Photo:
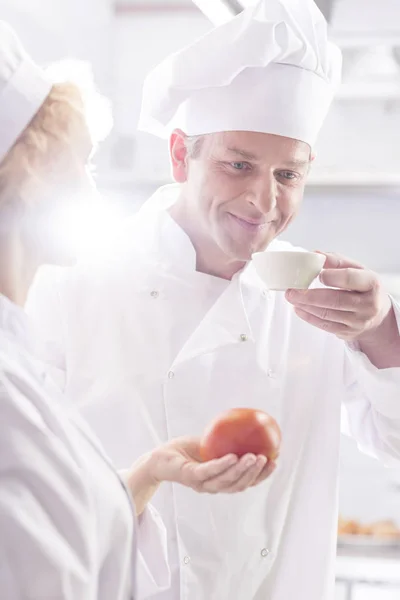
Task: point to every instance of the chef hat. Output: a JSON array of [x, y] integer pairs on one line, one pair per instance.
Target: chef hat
[[23, 88], [271, 69]]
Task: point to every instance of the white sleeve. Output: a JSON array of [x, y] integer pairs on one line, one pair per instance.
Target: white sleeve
[[45, 312], [152, 572], [372, 405], [47, 523], [152, 566]]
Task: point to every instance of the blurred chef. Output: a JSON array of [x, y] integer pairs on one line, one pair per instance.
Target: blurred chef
[[176, 326], [67, 523]]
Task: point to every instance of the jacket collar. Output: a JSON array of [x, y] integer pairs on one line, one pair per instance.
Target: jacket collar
[[159, 239], [225, 324], [227, 321]]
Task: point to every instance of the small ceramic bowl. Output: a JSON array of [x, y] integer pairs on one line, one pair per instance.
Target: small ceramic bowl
[[288, 270]]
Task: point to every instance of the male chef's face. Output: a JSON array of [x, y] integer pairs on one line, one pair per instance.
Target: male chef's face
[[240, 189]]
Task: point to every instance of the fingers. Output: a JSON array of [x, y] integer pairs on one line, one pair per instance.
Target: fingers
[[226, 475], [336, 261], [322, 298], [330, 299], [334, 327], [355, 306], [231, 475], [326, 314], [340, 312], [245, 474], [266, 472], [211, 469], [353, 279], [248, 478]]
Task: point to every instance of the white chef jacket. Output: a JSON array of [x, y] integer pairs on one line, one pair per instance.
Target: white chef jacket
[[66, 520], [150, 349]]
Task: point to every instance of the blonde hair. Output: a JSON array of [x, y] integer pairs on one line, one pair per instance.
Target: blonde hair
[[52, 138], [58, 140]]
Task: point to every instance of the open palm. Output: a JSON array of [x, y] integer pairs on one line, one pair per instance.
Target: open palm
[[180, 461]]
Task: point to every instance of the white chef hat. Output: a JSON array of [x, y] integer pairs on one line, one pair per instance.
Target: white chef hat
[[271, 69], [24, 87]]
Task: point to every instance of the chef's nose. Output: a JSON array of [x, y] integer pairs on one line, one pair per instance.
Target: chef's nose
[[263, 195]]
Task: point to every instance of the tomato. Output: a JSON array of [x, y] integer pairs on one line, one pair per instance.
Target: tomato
[[240, 431]]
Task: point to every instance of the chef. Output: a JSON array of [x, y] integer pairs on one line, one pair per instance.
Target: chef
[[67, 521], [174, 326]]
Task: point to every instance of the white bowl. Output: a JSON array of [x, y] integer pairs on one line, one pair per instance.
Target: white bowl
[[281, 271]]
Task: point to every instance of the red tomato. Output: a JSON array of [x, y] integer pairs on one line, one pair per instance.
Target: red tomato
[[240, 431]]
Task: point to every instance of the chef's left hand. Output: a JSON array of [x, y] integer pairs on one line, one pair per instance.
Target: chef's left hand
[[352, 311], [179, 461]]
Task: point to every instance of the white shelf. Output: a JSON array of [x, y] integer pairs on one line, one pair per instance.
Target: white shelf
[[361, 179], [369, 91], [357, 179], [348, 39], [369, 568]]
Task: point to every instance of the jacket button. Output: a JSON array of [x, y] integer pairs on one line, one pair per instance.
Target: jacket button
[[171, 375], [243, 337], [271, 374], [265, 552], [186, 560], [154, 294]]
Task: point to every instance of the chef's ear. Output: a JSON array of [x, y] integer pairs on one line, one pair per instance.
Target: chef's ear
[[178, 150], [311, 160]]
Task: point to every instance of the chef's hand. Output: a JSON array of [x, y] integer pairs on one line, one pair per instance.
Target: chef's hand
[[179, 461], [354, 310]]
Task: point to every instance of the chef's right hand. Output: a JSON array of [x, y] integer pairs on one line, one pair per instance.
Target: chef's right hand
[[180, 461]]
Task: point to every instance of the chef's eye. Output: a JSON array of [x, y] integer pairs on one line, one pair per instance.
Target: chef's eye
[[240, 166], [289, 175]]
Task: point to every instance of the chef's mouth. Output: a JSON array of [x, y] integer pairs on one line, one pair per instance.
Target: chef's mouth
[[249, 224]]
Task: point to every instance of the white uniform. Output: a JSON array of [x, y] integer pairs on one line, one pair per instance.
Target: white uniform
[[151, 349], [66, 520]]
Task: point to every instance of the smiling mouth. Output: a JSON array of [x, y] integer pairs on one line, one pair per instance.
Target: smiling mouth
[[248, 224]]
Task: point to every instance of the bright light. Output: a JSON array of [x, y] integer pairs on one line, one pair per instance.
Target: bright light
[[215, 10], [98, 112], [85, 229]]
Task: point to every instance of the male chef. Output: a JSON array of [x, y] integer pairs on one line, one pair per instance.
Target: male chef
[[176, 327]]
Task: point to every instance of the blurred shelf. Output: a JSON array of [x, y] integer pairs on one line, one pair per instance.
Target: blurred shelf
[[347, 180], [382, 567], [348, 39], [356, 179], [369, 91]]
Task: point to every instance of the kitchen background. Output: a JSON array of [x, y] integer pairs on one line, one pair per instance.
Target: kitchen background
[[352, 204]]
